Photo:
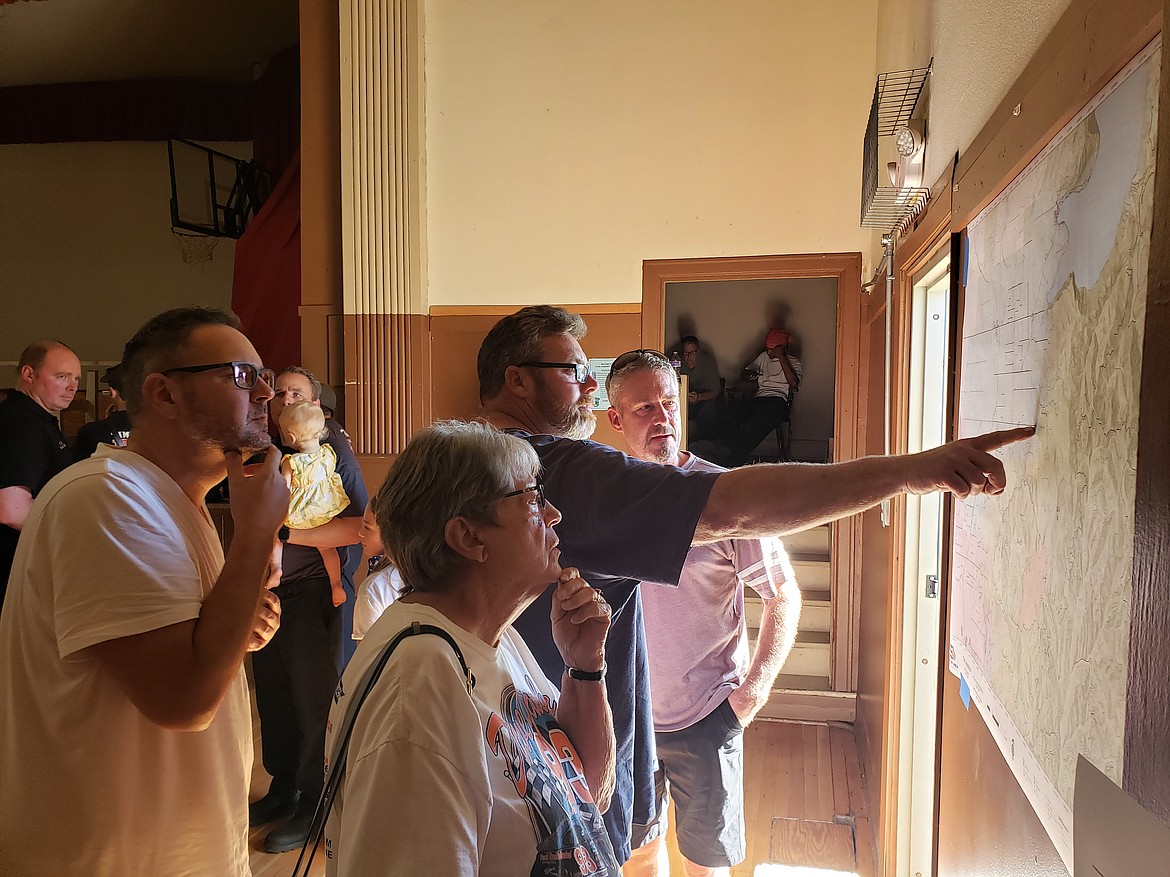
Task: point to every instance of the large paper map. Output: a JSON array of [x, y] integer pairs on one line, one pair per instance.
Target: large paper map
[[1052, 335]]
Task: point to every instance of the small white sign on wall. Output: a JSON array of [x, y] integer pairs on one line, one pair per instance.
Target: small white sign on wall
[[601, 369]]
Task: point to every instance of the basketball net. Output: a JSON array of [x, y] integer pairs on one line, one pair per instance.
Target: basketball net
[[194, 248]]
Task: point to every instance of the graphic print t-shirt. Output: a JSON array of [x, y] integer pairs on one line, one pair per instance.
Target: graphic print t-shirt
[[440, 781]]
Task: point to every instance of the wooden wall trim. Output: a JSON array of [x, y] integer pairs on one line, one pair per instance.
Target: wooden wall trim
[[631, 307], [1090, 45], [1146, 768], [383, 222], [846, 268]]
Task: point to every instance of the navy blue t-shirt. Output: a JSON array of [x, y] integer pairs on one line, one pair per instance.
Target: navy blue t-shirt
[[623, 521]]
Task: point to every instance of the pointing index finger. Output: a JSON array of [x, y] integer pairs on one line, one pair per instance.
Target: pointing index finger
[[990, 441]]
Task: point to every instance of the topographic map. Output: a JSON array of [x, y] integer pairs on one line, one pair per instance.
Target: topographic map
[[1052, 335]]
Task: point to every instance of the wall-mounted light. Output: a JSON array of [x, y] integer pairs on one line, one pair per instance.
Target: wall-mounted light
[[908, 140], [906, 172]]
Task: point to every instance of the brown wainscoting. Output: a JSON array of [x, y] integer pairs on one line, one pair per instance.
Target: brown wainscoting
[[987, 826], [456, 334]]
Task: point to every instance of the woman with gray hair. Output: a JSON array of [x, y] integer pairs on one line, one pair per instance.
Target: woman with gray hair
[[464, 759]]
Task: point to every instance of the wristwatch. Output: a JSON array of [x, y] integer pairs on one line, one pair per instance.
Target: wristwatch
[[586, 675]]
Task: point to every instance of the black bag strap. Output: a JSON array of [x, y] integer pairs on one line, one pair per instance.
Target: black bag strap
[[335, 774]]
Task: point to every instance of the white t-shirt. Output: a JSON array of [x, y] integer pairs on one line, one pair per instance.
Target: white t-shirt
[[439, 781], [112, 547], [772, 380], [376, 592]]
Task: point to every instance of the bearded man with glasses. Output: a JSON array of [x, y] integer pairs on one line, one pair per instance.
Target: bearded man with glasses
[[127, 744], [627, 521]]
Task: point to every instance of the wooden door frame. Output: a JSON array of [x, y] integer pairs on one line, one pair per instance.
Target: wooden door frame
[[846, 269], [922, 248]]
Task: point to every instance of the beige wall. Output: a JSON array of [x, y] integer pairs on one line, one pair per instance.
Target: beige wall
[[565, 143], [979, 50], [730, 319], [86, 250]]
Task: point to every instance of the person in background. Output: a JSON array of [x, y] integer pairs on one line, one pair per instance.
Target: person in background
[[32, 448], [704, 391], [627, 521], [297, 674], [114, 428], [778, 374], [495, 771], [382, 586], [127, 741], [316, 494], [329, 406], [704, 688]]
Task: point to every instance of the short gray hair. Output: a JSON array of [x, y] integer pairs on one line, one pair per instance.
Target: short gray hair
[[451, 469], [516, 339], [638, 361]]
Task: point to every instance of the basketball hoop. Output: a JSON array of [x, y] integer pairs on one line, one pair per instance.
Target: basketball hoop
[[195, 248]]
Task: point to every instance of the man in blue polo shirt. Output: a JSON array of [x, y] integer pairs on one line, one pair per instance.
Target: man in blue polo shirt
[[32, 448], [625, 520]]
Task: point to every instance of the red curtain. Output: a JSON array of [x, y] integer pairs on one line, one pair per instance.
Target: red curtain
[[266, 286]]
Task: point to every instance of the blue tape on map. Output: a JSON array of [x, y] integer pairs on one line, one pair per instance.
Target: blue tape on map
[[965, 691]]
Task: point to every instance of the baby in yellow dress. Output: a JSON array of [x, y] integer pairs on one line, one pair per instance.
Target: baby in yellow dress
[[316, 494]]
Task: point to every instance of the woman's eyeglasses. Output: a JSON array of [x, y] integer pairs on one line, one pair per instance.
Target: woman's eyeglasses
[[538, 487], [245, 374]]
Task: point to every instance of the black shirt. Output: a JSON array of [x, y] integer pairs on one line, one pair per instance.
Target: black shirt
[[113, 430], [32, 450]]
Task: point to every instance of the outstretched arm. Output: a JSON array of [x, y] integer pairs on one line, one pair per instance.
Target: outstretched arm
[[759, 501]]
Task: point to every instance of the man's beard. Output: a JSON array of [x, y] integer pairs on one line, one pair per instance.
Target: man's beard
[[571, 421], [665, 452], [248, 438]]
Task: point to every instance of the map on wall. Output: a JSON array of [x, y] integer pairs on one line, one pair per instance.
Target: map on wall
[[1052, 335]]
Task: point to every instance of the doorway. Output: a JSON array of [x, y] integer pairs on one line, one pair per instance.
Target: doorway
[[843, 271], [930, 331]]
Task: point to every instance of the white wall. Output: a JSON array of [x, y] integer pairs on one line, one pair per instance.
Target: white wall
[[567, 142], [730, 318], [86, 250]]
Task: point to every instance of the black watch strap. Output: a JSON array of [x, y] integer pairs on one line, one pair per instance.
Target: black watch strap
[[586, 675]]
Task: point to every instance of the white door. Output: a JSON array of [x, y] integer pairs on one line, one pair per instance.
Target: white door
[[930, 329]]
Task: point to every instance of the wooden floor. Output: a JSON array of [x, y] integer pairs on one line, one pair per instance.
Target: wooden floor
[[804, 799]]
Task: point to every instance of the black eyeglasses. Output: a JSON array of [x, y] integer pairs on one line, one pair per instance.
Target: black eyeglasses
[[631, 356], [538, 487], [581, 372], [245, 374]]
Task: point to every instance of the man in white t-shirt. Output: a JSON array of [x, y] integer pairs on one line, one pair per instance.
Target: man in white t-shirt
[[126, 741], [703, 686], [778, 374]]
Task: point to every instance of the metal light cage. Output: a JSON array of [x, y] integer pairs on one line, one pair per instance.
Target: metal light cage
[[895, 98]]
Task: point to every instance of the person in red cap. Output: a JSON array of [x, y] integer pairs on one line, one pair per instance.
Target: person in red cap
[[778, 375]]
